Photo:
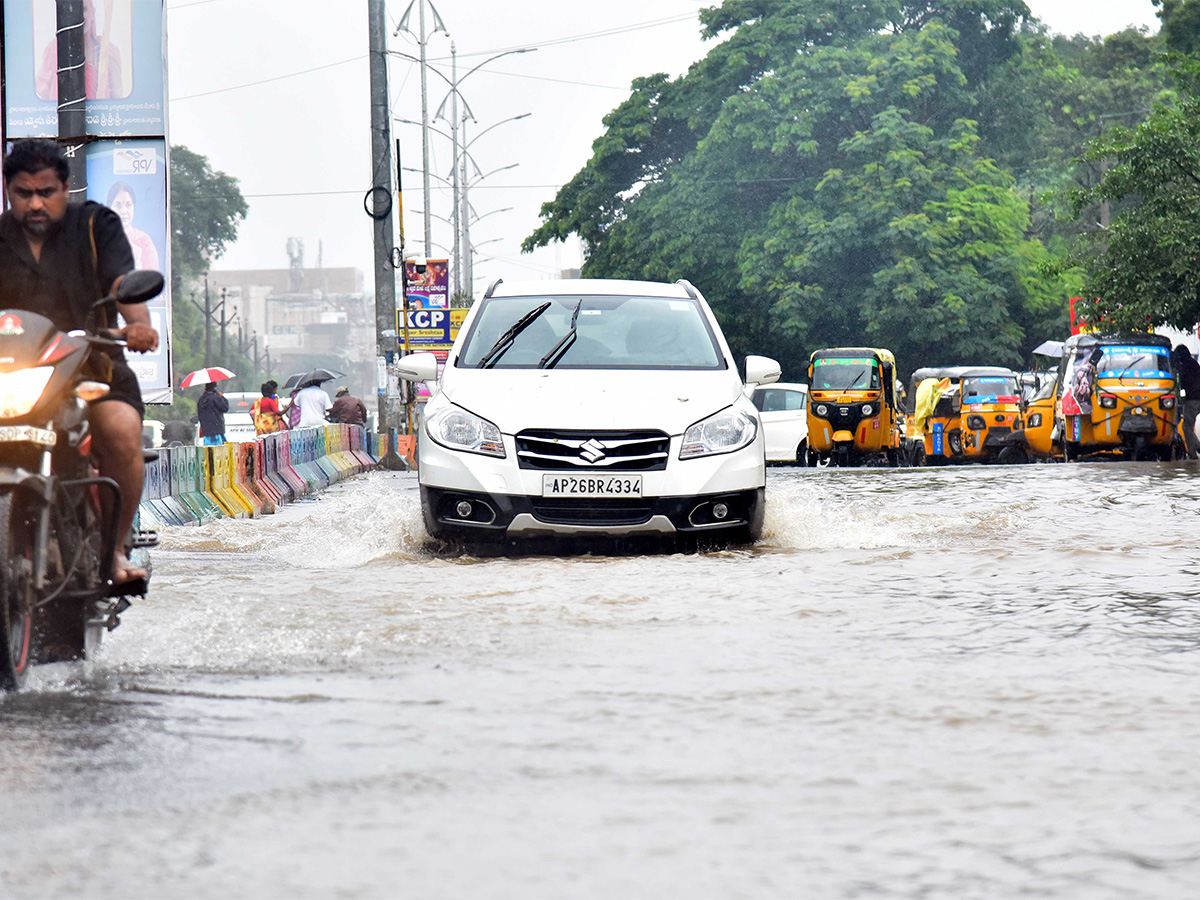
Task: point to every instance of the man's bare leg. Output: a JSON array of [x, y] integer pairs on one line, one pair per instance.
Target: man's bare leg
[[117, 447]]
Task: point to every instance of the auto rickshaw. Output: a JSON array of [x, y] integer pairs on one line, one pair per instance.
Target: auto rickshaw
[[963, 414], [1040, 438], [1117, 393], [852, 414]]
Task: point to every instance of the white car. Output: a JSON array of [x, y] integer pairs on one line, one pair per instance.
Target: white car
[[783, 408], [590, 407], [239, 423]]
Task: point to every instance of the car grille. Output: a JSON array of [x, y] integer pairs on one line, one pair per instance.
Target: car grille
[[591, 511], [603, 451]]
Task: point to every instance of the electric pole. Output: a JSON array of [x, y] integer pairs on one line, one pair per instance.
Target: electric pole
[[72, 99], [381, 216]]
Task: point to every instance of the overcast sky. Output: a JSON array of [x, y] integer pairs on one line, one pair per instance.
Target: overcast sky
[[276, 93]]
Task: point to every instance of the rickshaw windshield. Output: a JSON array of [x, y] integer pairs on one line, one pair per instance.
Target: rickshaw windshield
[[989, 389], [845, 374], [1132, 361]]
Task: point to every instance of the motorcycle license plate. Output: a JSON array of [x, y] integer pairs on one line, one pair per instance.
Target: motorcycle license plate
[[28, 433], [591, 485]]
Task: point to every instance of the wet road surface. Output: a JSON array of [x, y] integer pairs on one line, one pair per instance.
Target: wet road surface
[[969, 682]]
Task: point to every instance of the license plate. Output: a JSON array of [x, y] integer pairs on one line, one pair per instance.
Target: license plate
[[591, 485], [43, 436]]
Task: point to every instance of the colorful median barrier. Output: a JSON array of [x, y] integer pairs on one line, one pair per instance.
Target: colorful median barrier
[[191, 485]]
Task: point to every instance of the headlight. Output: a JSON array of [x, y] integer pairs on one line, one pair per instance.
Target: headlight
[[725, 432], [458, 429], [867, 409], [20, 390], [976, 423], [1035, 420], [1167, 402], [1108, 401], [822, 410]]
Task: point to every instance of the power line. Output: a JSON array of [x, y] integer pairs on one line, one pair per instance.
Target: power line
[[608, 32], [238, 87]]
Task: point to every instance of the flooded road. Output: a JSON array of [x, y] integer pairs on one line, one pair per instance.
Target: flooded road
[[958, 683]]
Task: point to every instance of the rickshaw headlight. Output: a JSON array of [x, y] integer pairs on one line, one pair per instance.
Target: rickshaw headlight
[[1167, 402], [867, 409], [1035, 420], [1108, 401], [822, 410], [976, 423]]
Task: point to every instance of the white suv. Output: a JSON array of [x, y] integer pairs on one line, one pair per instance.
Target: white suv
[[591, 407]]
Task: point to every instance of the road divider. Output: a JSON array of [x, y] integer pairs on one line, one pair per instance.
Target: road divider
[[189, 485]]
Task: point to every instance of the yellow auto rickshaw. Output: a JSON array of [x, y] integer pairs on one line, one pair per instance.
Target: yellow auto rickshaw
[[852, 413], [963, 414], [1117, 394], [1042, 438]]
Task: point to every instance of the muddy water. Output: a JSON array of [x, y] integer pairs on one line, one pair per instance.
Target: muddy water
[[926, 683]]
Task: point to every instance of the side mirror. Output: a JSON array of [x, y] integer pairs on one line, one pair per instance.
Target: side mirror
[[139, 286], [762, 370], [417, 367]]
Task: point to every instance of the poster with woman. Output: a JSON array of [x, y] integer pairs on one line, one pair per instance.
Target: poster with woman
[[123, 44], [130, 177]]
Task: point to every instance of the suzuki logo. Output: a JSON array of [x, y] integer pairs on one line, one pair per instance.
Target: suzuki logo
[[592, 451]]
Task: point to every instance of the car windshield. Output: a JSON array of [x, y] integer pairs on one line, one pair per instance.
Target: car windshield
[[845, 374], [610, 333], [986, 390], [1134, 361]]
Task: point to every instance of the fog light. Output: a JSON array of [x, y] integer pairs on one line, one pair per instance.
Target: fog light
[[720, 510], [463, 509]]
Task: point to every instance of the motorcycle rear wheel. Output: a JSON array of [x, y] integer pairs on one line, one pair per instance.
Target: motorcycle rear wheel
[[16, 594]]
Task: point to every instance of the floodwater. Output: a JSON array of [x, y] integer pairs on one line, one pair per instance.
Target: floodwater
[[938, 683]]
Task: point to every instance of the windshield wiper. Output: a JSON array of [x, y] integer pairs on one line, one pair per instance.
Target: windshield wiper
[[559, 350], [506, 340]]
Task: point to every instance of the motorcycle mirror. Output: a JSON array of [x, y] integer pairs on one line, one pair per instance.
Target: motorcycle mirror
[[139, 286]]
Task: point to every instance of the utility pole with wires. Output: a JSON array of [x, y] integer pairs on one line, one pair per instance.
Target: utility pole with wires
[[378, 205], [72, 102], [422, 42]]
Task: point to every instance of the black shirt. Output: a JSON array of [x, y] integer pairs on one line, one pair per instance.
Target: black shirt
[[1189, 375], [63, 285], [210, 410]]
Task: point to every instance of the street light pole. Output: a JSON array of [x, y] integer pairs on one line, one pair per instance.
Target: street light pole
[[422, 42], [454, 141]]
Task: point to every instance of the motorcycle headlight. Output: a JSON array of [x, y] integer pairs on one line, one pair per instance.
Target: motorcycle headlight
[[20, 390], [1035, 420], [728, 430], [458, 429]]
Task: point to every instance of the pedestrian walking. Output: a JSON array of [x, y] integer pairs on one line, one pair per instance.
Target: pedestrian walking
[[348, 409], [211, 409], [265, 412], [313, 403], [1188, 371]]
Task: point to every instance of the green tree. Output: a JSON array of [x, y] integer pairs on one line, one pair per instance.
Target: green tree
[[1145, 267], [839, 193]]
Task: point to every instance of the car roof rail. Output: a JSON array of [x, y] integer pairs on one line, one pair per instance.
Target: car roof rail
[[491, 287], [687, 286]]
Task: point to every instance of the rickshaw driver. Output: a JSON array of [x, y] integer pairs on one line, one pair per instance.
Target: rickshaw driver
[[46, 266]]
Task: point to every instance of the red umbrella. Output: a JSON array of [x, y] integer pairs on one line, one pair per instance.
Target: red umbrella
[[206, 376]]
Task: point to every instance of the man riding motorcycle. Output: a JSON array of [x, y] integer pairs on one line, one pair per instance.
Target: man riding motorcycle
[[56, 259]]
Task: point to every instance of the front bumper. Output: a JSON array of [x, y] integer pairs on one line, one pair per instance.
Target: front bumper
[[473, 514]]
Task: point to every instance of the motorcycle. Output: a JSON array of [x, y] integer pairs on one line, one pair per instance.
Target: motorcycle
[[58, 516]]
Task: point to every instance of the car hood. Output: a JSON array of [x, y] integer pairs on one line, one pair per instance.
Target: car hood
[[571, 399]]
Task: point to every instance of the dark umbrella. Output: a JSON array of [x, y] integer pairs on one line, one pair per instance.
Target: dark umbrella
[[292, 382], [319, 375]]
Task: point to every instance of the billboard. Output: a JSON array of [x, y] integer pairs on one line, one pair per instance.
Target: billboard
[[130, 177], [429, 289], [430, 329], [123, 68]]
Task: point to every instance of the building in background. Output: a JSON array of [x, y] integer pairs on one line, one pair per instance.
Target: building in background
[[305, 317]]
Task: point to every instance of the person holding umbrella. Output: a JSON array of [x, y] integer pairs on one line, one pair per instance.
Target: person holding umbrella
[[313, 403], [211, 409]]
